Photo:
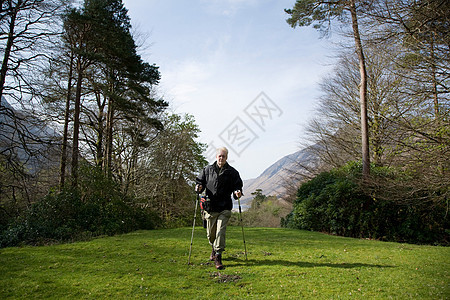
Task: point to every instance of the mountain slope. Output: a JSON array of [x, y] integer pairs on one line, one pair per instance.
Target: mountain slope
[[272, 179], [27, 140]]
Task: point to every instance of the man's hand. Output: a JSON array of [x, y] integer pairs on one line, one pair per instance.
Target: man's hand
[[198, 188], [238, 194]]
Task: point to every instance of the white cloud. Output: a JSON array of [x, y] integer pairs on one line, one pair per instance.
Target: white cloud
[[227, 8]]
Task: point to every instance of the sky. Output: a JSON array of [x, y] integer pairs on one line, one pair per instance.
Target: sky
[[247, 77]]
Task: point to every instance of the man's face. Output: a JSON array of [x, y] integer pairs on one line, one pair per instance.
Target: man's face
[[221, 158]]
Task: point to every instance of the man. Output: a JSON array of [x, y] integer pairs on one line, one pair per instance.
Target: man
[[220, 181]]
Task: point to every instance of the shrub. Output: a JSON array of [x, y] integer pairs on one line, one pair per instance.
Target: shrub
[[335, 202], [98, 208], [64, 217]]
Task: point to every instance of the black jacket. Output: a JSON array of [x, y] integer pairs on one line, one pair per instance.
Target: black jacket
[[220, 184]]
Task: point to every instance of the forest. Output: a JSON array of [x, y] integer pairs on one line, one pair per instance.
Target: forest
[[88, 147], [382, 127]]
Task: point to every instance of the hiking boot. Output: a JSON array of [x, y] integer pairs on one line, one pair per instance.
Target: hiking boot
[[218, 261], [213, 255]]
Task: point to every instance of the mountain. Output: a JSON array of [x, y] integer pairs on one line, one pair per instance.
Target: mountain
[[27, 140], [272, 180]]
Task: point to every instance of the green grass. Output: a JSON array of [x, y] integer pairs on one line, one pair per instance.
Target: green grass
[[282, 263]]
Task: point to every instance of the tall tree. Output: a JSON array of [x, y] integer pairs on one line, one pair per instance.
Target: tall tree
[[173, 161], [81, 37], [116, 84], [335, 128], [63, 161], [56, 86], [421, 28], [26, 30], [127, 80], [318, 12], [115, 28]]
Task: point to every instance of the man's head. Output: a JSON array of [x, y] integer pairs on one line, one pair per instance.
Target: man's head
[[221, 156]]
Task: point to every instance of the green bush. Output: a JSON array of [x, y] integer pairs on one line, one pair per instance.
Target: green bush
[[335, 202], [64, 217], [97, 208]]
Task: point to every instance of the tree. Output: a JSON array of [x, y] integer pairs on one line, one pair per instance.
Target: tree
[[80, 37], [335, 128], [421, 29], [258, 198], [99, 36], [27, 153], [95, 69], [26, 30], [56, 86], [170, 166], [307, 12], [265, 211], [407, 103], [335, 202]]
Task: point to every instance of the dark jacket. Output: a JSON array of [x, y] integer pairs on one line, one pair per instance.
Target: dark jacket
[[220, 184]]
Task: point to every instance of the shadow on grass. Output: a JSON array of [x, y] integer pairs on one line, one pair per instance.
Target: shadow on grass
[[300, 264]]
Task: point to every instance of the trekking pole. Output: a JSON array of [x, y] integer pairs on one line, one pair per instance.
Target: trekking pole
[[242, 226], [193, 227]]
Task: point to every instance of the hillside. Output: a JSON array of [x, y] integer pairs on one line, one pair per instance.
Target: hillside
[[27, 139], [272, 179]]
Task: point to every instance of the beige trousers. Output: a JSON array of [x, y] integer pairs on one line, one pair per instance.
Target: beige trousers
[[216, 225]]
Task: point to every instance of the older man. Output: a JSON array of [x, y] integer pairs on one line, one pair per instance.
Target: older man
[[220, 181]]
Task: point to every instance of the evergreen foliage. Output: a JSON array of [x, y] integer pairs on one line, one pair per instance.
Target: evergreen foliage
[[97, 208], [336, 202]]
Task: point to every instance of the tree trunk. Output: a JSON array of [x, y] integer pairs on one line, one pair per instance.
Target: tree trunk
[[100, 130], [7, 50], [76, 126], [362, 93], [434, 79], [66, 127], [109, 137]]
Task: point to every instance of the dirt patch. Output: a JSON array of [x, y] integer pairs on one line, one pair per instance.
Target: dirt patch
[[222, 278]]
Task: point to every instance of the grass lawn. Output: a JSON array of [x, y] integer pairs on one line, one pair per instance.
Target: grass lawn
[[282, 263]]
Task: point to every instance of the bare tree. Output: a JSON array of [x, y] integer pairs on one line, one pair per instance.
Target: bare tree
[[26, 30], [420, 30], [405, 136], [321, 12]]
